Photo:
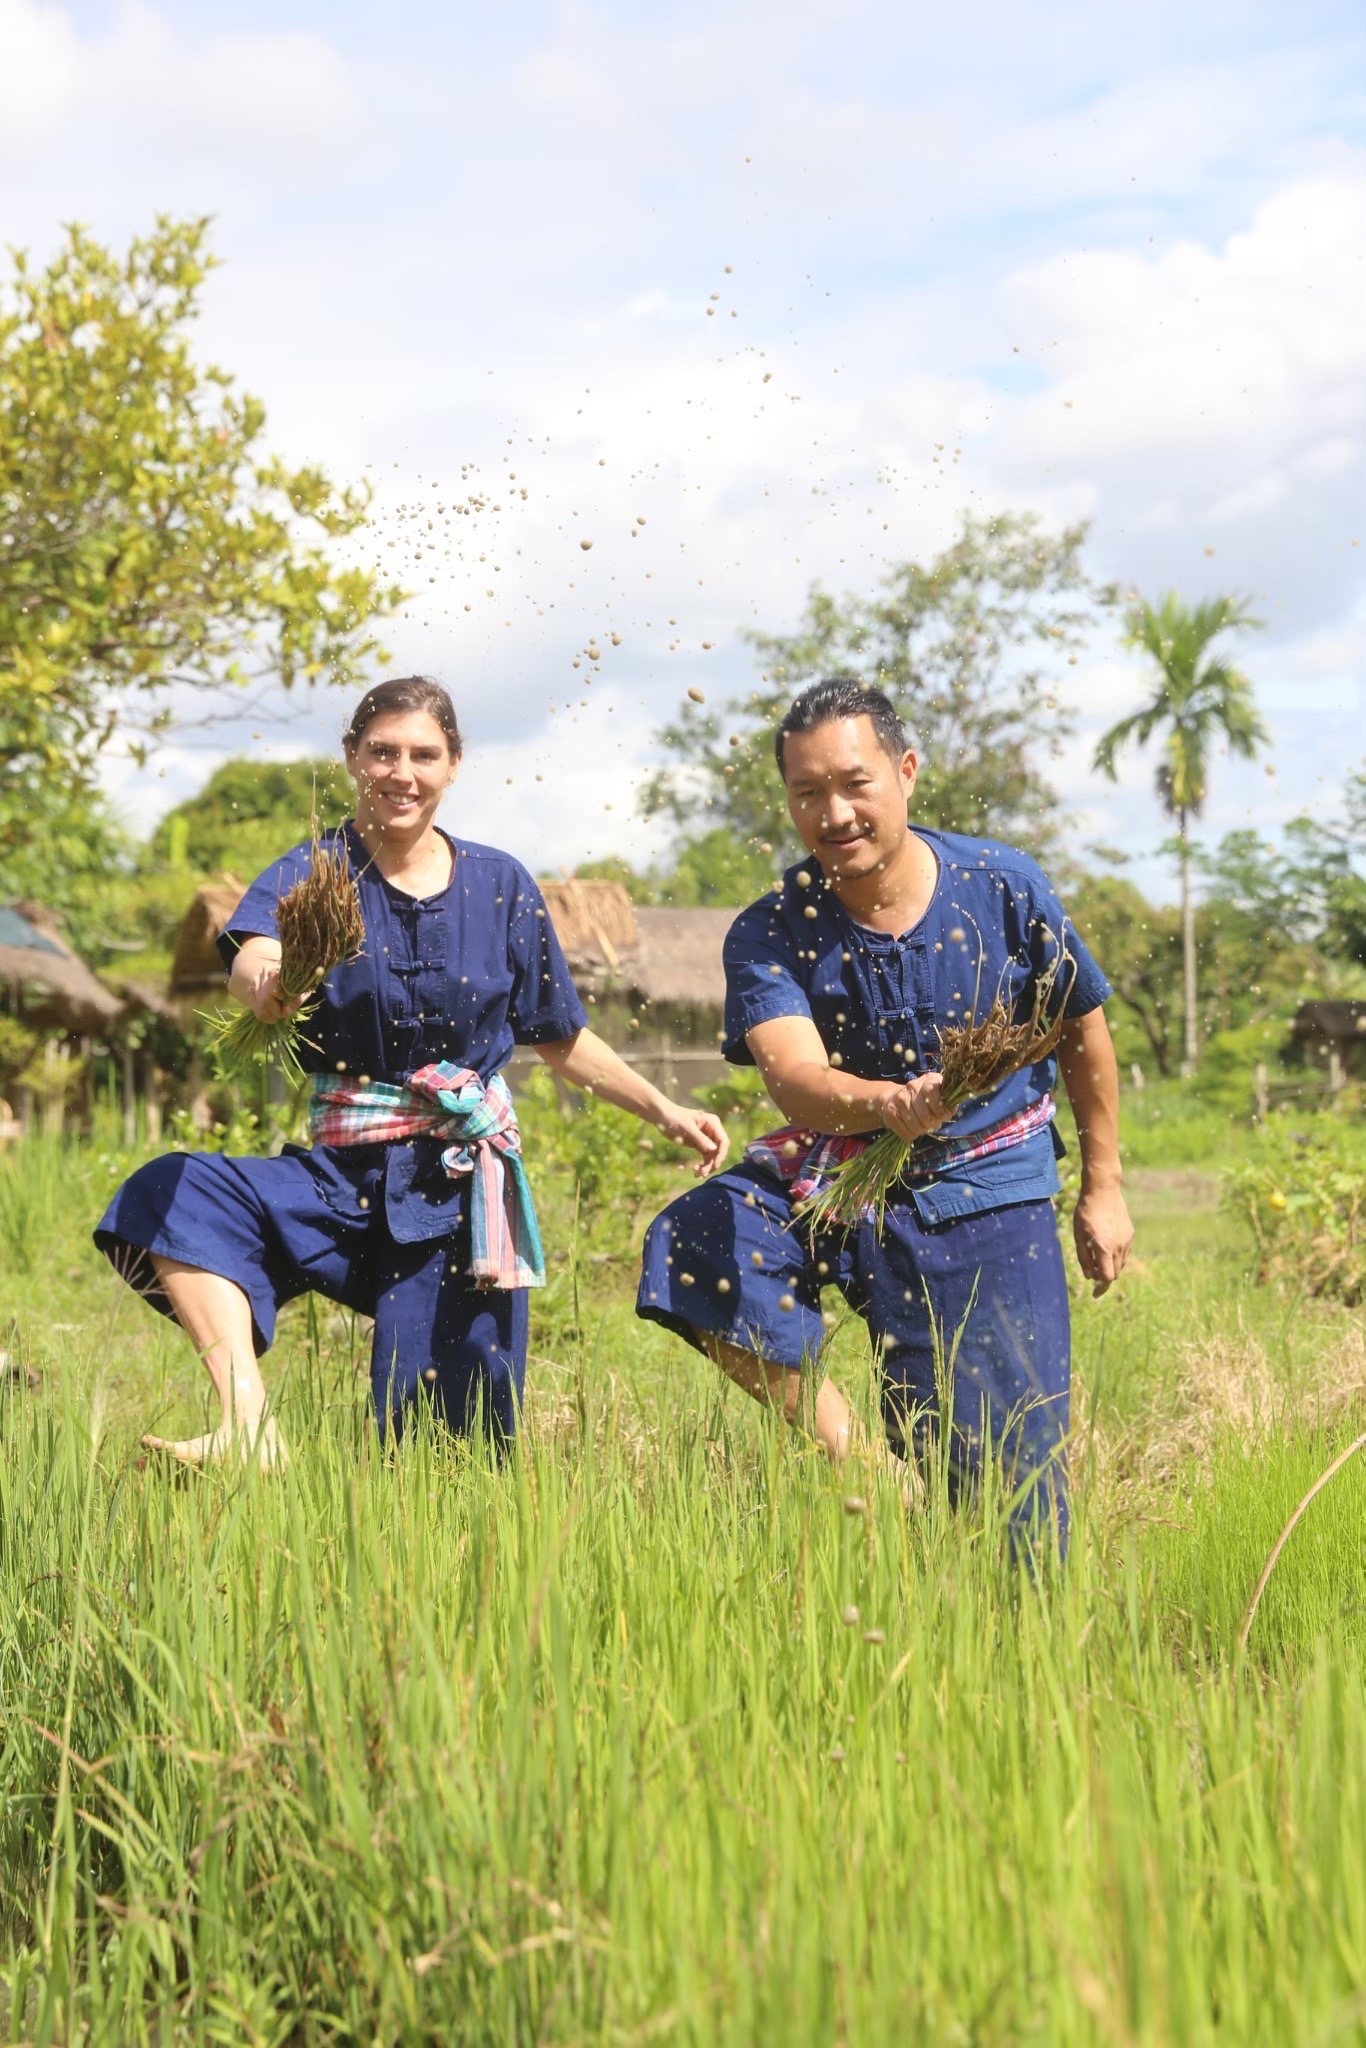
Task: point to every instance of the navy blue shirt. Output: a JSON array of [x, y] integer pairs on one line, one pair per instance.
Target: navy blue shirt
[[464, 975], [879, 1000]]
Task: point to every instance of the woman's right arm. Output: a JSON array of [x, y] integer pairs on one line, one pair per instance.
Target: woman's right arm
[[253, 980]]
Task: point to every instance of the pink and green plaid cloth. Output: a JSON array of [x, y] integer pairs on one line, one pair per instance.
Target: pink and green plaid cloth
[[446, 1101], [805, 1160]]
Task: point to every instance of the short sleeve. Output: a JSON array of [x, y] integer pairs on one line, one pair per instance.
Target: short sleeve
[[761, 978], [1050, 930], [254, 917], [544, 1004]]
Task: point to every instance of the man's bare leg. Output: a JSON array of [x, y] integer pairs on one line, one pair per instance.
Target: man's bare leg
[[831, 1420], [215, 1315]]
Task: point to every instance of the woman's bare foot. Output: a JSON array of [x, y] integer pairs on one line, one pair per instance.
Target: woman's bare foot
[[224, 1444]]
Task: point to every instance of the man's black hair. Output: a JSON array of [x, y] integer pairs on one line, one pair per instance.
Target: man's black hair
[[843, 697]]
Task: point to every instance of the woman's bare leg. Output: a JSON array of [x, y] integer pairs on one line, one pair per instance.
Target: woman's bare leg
[[215, 1315]]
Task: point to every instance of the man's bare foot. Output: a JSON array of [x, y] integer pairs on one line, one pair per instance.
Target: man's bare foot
[[223, 1445]]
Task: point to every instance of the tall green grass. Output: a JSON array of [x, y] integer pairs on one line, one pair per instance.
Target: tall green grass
[[594, 1747]]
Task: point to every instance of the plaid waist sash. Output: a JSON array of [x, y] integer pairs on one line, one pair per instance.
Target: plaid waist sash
[[446, 1101], [805, 1160]]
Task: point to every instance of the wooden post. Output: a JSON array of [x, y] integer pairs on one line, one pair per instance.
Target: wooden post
[[55, 1059], [130, 1107], [1337, 1077], [151, 1100], [1262, 1086]]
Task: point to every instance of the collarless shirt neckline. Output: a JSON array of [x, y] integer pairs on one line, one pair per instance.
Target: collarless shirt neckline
[[914, 933], [405, 895]]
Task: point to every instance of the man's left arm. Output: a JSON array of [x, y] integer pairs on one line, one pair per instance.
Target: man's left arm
[[1101, 1224]]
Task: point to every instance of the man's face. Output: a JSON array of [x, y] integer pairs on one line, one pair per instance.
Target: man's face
[[847, 796]]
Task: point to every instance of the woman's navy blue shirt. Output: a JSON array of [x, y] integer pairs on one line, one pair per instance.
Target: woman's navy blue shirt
[[464, 975], [880, 1000]]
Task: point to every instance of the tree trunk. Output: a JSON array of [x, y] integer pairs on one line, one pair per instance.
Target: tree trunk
[[1192, 1048]]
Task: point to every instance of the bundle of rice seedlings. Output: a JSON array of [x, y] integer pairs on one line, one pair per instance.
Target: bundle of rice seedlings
[[974, 1058], [320, 926]]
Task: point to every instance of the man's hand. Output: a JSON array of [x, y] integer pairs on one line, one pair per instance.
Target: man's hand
[[699, 1129], [1103, 1234], [914, 1108]]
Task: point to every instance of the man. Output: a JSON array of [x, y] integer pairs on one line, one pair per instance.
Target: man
[[838, 984]]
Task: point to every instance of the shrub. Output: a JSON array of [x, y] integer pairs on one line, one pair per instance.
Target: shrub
[[1303, 1199]]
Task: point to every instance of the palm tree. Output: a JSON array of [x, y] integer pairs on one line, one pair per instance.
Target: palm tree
[[1197, 698]]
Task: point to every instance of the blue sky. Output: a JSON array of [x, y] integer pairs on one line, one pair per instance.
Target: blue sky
[[1111, 259]]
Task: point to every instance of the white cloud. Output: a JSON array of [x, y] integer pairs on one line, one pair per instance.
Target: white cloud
[[278, 94]]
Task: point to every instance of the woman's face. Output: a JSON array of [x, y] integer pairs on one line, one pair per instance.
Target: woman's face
[[402, 766]]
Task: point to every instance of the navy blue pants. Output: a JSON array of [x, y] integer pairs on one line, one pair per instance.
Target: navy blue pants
[[981, 1301], [282, 1227]]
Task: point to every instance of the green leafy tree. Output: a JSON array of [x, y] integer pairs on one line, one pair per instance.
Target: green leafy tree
[[1198, 699], [147, 541], [715, 868], [1328, 858], [1139, 947], [970, 647], [250, 811], [614, 867]]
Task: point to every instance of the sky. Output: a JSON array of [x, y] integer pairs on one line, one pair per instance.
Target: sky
[[755, 297]]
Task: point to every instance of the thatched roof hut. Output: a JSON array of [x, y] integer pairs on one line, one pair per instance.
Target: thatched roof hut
[[52, 988], [669, 959], [195, 965], [594, 921], [677, 964]]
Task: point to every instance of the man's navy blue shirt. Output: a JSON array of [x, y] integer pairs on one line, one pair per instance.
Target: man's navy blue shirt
[[879, 1000], [464, 975]]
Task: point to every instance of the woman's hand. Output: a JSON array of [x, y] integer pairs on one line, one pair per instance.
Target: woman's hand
[[699, 1129], [271, 1007], [915, 1108], [255, 981]]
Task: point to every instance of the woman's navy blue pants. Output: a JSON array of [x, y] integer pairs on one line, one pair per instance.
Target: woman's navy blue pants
[[282, 1227], [970, 1316]]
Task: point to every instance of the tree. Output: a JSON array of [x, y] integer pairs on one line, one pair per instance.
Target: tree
[[614, 867], [250, 811], [1197, 698], [968, 648], [146, 539], [1139, 948], [1328, 858]]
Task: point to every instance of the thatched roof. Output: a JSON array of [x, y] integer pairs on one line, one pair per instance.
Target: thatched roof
[[678, 961], [195, 964], [594, 921], [667, 957], [58, 989]]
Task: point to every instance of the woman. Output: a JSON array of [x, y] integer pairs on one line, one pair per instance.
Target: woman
[[415, 1210]]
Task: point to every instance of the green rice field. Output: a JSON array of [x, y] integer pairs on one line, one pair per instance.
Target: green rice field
[[663, 1731]]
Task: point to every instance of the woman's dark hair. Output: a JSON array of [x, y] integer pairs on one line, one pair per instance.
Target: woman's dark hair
[[843, 697], [406, 693]]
